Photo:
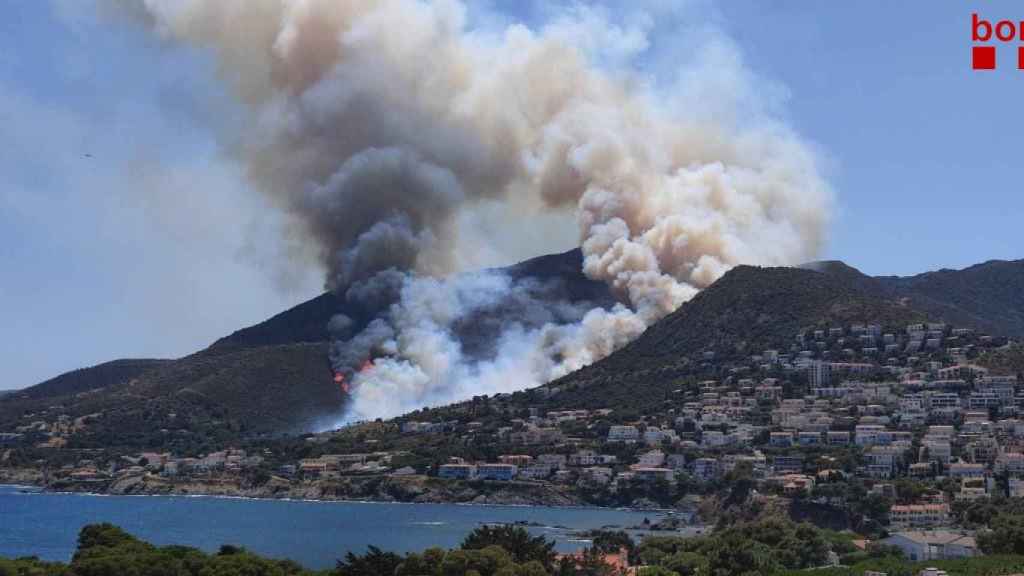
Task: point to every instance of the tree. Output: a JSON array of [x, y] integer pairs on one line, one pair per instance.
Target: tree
[[374, 563], [30, 567], [105, 535], [810, 546], [611, 541], [655, 571], [734, 555], [533, 568], [589, 563], [1005, 537], [740, 482], [686, 563], [515, 540], [429, 562], [909, 491]]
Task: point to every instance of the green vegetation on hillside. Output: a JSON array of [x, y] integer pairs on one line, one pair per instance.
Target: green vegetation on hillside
[[747, 311], [88, 379], [106, 550], [1008, 360], [894, 566], [203, 400], [274, 377], [987, 296], [770, 547]]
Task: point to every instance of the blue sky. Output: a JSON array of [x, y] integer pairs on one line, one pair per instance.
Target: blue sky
[[922, 151]]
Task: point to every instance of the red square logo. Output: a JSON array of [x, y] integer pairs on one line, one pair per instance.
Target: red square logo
[[983, 57]]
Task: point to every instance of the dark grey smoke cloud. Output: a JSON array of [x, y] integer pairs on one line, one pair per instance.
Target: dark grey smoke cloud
[[379, 124], [382, 209], [348, 356]]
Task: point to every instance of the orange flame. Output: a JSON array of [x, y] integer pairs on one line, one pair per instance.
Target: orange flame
[[339, 379], [343, 383]]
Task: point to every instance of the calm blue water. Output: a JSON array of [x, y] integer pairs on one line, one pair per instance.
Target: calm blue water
[[312, 533]]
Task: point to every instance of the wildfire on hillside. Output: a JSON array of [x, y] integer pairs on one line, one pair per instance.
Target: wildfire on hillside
[[339, 379], [343, 382]]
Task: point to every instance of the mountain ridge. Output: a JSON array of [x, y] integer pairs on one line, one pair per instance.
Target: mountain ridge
[[231, 388], [307, 321], [748, 310], [988, 296]]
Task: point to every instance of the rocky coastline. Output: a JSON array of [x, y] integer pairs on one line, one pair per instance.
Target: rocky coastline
[[410, 489]]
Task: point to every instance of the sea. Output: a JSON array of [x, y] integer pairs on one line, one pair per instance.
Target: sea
[[315, 534]]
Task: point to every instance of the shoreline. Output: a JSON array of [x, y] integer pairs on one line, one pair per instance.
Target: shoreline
[[39, 489], [200, 521]]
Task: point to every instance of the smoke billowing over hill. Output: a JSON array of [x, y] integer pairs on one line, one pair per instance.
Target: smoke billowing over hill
[[382, 127]]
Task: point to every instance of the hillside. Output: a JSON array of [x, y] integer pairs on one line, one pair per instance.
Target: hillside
[[747, 311], [554, 276], [1007, 360], [306, 322], [266, 379], [197, 401], [753, 309], [987, 296], [274, 376], [92, 378]]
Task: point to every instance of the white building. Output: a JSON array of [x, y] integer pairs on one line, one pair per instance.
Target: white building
[[652, 474], [627, 434], [654, 436], [590, 458], [705, 468], [496, 471], [933, 545], [555, 461], [1010, 462], [457, 471], [596, 475], [819, 374], [1016, 488], [652, 459], [871, 435], [919, 515], [966, 470]]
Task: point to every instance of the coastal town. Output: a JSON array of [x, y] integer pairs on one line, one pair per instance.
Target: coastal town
[[897, 430], [492, 288]]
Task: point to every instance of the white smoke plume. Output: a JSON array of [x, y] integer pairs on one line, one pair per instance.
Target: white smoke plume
[[377, 124]]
